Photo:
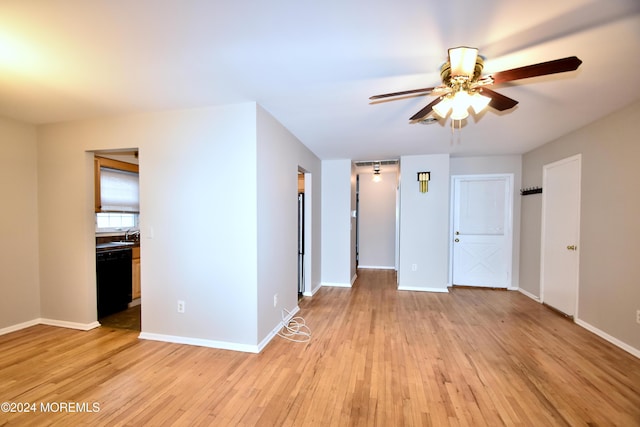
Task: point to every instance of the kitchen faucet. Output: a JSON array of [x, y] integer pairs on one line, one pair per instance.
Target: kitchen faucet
[[135, 234]]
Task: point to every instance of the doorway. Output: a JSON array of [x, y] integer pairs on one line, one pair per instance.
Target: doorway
[[117, 238], [376, 214], [481, 235], [560, 234]]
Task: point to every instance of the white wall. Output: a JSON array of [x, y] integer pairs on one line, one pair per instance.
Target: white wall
[[511, 164], [336, 222], [215, 234], [19, 283], [377, 220], [198, 219], [280, 155], [424, 224]]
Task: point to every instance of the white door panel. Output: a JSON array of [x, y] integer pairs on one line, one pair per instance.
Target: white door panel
[[482, 237], [481, 261], [560, 234]]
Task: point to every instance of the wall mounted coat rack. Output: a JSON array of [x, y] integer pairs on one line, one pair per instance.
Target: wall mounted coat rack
[[530, 190]]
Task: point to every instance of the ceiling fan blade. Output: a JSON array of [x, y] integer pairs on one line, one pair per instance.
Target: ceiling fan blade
[[542, 69], [426, 110], [405, 92], [498, 101]]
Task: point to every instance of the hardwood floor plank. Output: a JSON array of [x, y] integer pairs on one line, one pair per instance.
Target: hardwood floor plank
[[377, 356]]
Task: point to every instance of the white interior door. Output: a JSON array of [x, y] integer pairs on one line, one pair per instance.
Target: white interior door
[[482, 236], [560, 234]]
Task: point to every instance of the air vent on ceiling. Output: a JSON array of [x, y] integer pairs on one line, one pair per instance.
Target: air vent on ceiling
[[373, 162]]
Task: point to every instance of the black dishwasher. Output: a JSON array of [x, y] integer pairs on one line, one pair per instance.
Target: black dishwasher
[[113, 271]]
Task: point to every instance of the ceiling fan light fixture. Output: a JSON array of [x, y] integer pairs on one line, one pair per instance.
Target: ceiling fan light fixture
[[479, 102], [463, 85], [459, 112], [463, 61], [442, 108], [460, 105]]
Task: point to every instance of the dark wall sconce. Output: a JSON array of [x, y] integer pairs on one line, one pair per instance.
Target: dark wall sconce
[[423, 181]]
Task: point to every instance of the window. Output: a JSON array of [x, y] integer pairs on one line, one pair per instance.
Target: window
[[117, 195], [108, 221]]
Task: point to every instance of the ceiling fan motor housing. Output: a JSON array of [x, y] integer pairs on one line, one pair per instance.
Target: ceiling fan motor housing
[[445, 72]]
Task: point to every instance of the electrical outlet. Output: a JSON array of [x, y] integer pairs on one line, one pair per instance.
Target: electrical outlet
[[638, 316], [414, 267], [275, 300], [180, 306]]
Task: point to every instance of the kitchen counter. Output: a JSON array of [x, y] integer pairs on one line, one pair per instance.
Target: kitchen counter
[[106, 246]]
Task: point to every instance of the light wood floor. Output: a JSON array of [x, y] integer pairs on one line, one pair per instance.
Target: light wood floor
[[377, 357]]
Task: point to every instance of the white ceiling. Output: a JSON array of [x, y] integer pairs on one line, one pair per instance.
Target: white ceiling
[[313, 65]]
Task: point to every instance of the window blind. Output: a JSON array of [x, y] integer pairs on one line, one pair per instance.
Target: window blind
[[119, 191]]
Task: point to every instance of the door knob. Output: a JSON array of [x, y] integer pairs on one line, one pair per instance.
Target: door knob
[[572, 247], [457, 240]]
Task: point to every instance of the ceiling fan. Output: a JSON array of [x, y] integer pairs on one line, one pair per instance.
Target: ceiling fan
[[464, 87]]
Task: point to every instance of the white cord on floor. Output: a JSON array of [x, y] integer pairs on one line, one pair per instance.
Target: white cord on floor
[[295, 329]]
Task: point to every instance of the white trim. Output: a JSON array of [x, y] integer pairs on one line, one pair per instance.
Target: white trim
[[418, 289], [49, 322], [19, 326], [512, 288], [275, 330], [626, 347], [223, 345], [528, 294], [307, 259], [313, 291], [353, 279], [70, 325], [377, 267], [336, 285]]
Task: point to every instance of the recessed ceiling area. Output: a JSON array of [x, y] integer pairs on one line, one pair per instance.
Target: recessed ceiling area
[[313, 66]]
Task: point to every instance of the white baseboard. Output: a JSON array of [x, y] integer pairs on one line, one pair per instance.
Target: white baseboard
[[336, 285], [275, 330], [19, 326], [70, 325], [528, 294], [50, 322], [419, 289], [222, 345], [313, 291], [626, 347]]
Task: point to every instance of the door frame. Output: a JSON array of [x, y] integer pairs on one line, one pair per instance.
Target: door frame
[[543, 230], [508, 217], [307, 261]]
